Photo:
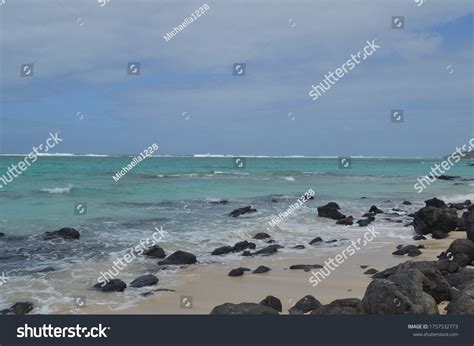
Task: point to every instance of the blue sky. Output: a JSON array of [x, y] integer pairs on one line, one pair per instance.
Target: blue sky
[[82, 68]]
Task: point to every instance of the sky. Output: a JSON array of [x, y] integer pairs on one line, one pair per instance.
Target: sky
[[187, 101]]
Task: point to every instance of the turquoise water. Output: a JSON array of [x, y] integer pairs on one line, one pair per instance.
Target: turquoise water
[[180, 195]]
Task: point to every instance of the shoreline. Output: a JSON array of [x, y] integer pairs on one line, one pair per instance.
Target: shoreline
[[210, 285]]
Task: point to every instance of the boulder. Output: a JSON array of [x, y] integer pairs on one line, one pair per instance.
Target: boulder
[[468, 218], [238, 271], [330, 211], [243, 245], [411, 250], [406, 203], [463, 278], [434, 202], [371, 271], [429, 219], [63, 233], [439, 234], [155, 252], [179, 257], [316, 240], [298, 247], [375, 210], [463, 303], [347, 221], [20, 308], [269, 250], [307, 303], [114, 285], [261, 270], [242, 211], [144, 280], [261, 235], [349, 306], [399, 294], [365, 222], [243, 309], [272, 302], [435, 283], [222, 250]]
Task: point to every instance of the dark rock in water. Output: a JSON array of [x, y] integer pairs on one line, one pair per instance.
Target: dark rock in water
[[242, 245], [261, 270], [241, 211], [439, 235], [179, 257], [271, 241], [261, 235], [270, 249], [371, 271], [365, 222], [448, 177], [21, 308], [347, 221], [307, 303], [306, 267], [363, 197], [114, 285], [419, 237], [349, 306], [364, 266], [274, 200], [429, 219], [411, 215], [435, 283], [399, 294], [299, 247], [406, 203], [246, 253], [316, 240], [375, 210], [2, 234], [331, 241], [144, 280], [222, 250], [396, 209], [238, 271], [46, 270], [63, 233], [243, 309], [463, 302], [411, 250], [155, 252], [272, 302], [221, 201], [330, 211], [368, 215], [434, 202]]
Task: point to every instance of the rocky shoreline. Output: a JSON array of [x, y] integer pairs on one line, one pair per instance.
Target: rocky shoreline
[[409, 288]]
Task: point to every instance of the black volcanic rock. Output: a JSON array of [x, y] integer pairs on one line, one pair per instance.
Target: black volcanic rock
[[179, 257], [261, 235], [20, 308], [316, 240], [330, 211], [272, 302], [429, 219], [307, 303], [347, 221], [435, 202], [144, 280], [243, 309], [63, 233], [375, 210], [155, 251], [238, 271], [242, 211], [114, 285], [261, 270]]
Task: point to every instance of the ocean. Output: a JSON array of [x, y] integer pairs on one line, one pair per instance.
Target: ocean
[[190, 198]]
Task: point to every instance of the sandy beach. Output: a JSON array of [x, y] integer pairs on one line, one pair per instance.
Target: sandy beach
[[210, 285]]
